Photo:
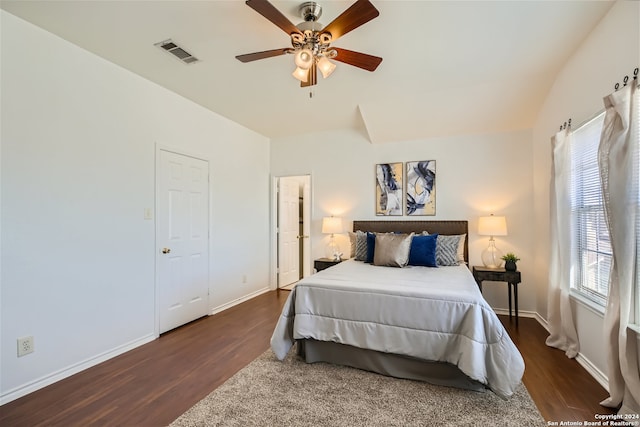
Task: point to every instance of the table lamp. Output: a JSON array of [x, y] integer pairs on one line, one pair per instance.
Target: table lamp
[[492, 226], [332, 225]]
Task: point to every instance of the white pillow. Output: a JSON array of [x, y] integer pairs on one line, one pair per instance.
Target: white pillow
[[461, 249]]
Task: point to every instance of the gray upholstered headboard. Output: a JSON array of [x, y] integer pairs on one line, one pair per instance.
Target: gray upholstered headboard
[[440, 227]]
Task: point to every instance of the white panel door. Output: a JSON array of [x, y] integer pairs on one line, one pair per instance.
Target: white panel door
[[288, 232], [183, 239]]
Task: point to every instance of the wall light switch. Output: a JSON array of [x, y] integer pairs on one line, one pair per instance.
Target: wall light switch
[[148, 213]]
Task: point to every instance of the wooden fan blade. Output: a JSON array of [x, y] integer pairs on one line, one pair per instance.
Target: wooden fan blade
[[361, 12], [313, 77], [248, 57], [357, 59], [266, 9]]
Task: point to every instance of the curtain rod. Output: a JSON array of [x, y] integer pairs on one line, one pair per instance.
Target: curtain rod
[[626, 79], [567, 124]]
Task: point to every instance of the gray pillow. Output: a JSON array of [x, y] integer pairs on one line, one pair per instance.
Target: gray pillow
[[361, 246], [352, 244], [392, 250], [447, 250]]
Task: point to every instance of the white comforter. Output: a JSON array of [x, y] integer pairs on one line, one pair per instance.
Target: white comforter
[[435, 314]]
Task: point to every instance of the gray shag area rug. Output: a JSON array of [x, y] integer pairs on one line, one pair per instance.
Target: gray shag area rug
[[269, 392]]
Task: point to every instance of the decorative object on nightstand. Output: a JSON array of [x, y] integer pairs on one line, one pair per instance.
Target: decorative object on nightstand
[[510, 260], [512, 278], [332, 225], [492, 226], [322, 263]]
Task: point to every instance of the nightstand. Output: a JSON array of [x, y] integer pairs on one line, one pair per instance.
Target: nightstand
[[322, 263], [512, 278]]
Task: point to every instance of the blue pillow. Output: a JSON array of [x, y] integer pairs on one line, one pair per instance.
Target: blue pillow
[[371, 247], [423, 251]]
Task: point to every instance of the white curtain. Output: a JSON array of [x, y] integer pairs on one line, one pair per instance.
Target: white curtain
[[563, 331], [618, 162]]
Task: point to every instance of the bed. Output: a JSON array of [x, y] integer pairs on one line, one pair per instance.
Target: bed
[[416, 322]]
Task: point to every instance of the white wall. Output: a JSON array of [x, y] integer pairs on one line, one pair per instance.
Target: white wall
[[476, 175], [609, 53], [78, 141], [78, 148]]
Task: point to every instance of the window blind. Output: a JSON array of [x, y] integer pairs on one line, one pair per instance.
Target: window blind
[[636, 180], [591, 247]]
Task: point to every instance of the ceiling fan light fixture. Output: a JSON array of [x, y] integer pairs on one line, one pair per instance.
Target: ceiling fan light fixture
[[301, 74], [325, 66], [304, 59], [311, 41]]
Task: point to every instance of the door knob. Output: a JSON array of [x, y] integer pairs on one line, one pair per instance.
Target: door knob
[[166, 250]]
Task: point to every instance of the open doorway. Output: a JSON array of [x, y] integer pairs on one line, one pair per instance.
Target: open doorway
[[292, 225]]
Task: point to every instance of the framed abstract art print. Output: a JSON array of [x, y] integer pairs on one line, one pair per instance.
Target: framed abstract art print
[[389, 189], [421, 187]]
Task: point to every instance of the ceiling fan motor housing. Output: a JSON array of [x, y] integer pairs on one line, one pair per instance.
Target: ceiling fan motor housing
[[310, 11], [310, 38]]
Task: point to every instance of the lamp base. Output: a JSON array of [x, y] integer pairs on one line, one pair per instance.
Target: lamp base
[[492, 256], [333, 250]]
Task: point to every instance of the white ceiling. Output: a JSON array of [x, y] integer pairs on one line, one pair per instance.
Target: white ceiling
[[450, 67]]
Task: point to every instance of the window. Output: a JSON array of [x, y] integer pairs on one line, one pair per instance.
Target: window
[[636, 178], [591, 247]]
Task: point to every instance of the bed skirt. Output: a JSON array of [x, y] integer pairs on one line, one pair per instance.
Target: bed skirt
[[392, 365]]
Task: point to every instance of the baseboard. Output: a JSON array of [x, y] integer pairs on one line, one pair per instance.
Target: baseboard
[[543, 322], [61, 374], [525, 313], [596, 373], [237, 301], [588, 366], [521, 313], [49, 379]]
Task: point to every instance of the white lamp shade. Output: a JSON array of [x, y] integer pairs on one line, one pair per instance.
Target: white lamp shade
[[300, 74], [331, 225], [492, 226], [326, 67], [304, 59]]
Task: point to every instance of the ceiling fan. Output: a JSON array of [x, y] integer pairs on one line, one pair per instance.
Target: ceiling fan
[[311, 45]]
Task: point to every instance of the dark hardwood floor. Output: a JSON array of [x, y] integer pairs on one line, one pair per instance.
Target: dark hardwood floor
[[560, 387], [155, 383]]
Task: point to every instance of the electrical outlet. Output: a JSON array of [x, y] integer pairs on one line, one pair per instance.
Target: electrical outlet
[[244, 278], [25, 346]]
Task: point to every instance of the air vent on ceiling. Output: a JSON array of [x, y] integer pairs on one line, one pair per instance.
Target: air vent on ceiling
[[177, 51]]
